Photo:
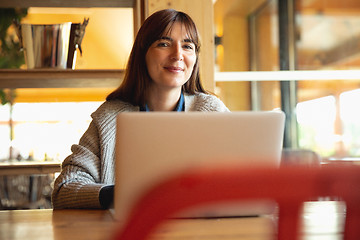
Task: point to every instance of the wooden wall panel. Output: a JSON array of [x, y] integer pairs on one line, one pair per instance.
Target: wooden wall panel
[[236, 95]]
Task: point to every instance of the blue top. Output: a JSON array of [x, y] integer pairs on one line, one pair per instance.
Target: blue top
[[180, 107]]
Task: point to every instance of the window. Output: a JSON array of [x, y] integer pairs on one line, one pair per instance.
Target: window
[[43, 130], [317, 41]]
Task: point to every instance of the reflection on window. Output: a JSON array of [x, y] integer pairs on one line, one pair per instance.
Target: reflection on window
[[330, 125], [44, 131], [350, 117], [4, 131], [316, 119], [328, 38]]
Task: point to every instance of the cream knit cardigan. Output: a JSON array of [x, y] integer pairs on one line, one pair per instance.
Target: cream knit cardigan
[[91, 164]]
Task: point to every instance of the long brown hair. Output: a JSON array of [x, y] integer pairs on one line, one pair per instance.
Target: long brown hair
[[136, 81]]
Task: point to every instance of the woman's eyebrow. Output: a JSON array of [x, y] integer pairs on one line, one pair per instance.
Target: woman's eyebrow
[[166, 38], [187, 40]]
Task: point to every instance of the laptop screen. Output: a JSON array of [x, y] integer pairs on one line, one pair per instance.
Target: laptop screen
[[151, 146]]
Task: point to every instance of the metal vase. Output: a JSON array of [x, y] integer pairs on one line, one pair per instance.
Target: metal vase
[[51, 46]]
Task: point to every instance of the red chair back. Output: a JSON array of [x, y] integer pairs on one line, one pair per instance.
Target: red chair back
[[288, 186]]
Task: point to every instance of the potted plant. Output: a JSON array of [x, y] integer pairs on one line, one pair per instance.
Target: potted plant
[[10, 54]]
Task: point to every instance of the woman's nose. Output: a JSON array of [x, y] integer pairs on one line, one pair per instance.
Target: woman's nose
[[177, 53]]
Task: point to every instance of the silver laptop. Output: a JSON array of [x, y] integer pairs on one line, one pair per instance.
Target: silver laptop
[[151, 146]]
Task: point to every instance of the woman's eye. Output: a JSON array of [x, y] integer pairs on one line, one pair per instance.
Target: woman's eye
[[163, 44], [189, 46]]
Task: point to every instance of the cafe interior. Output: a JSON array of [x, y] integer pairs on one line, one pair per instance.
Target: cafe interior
[[298, 56]]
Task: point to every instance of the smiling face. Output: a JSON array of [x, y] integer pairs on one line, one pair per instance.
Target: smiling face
[[170, 60]]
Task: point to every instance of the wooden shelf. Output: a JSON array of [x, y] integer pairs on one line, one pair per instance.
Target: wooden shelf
[[62, 78], [29, 167], [67, 3]]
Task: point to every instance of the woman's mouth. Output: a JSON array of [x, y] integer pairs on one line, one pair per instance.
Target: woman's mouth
[[174, 69]]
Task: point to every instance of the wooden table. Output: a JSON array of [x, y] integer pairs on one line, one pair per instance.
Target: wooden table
[[321, 221], [29, 167]]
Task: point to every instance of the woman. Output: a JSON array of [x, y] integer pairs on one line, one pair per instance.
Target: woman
[[162, 75]]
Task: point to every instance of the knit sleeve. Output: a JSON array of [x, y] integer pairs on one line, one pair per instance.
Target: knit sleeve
[[78, 184], [90, 167]]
